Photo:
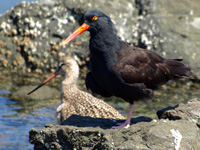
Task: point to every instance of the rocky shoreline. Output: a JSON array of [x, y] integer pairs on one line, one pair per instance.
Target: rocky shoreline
[[177, 128]]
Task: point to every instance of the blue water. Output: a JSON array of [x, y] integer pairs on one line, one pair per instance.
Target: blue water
[[7, 4], [15, 126]]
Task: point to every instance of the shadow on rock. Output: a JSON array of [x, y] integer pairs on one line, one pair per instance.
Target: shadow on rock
[[86, 121], [160, 113], [189, 111]]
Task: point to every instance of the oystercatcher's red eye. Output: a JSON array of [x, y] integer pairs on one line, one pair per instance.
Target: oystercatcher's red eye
[[94, 18]]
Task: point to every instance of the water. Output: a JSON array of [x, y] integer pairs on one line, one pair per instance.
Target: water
[[15, 123], [7, 4]]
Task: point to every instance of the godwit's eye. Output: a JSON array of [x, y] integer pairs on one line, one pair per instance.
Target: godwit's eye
[[61, 64], [94, 18]]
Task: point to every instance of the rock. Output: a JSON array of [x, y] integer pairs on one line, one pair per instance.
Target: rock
[[162, 134], [78, 132], [35, 30], [21, 94], [179, 29], [189, 111]]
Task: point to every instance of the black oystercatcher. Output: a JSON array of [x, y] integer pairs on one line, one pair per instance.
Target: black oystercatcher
[[75, 101], [121, 70]]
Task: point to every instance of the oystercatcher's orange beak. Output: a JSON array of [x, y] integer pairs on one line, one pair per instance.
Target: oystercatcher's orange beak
[[47, 80], [80, 30]]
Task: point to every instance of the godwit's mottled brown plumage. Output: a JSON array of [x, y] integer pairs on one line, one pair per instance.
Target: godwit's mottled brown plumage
[[76, 101]]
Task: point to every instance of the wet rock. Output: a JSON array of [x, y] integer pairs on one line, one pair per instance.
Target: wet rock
[[21, 94], [189, 111], [162, 134]]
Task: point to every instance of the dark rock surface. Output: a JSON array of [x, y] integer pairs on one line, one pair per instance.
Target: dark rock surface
[[31, 33], [189, 111], [91, 133]]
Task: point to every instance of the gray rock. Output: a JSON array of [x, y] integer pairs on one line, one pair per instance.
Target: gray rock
[[79, 132], [179, 26], [163, 134], [21, 94], [189, 111]]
